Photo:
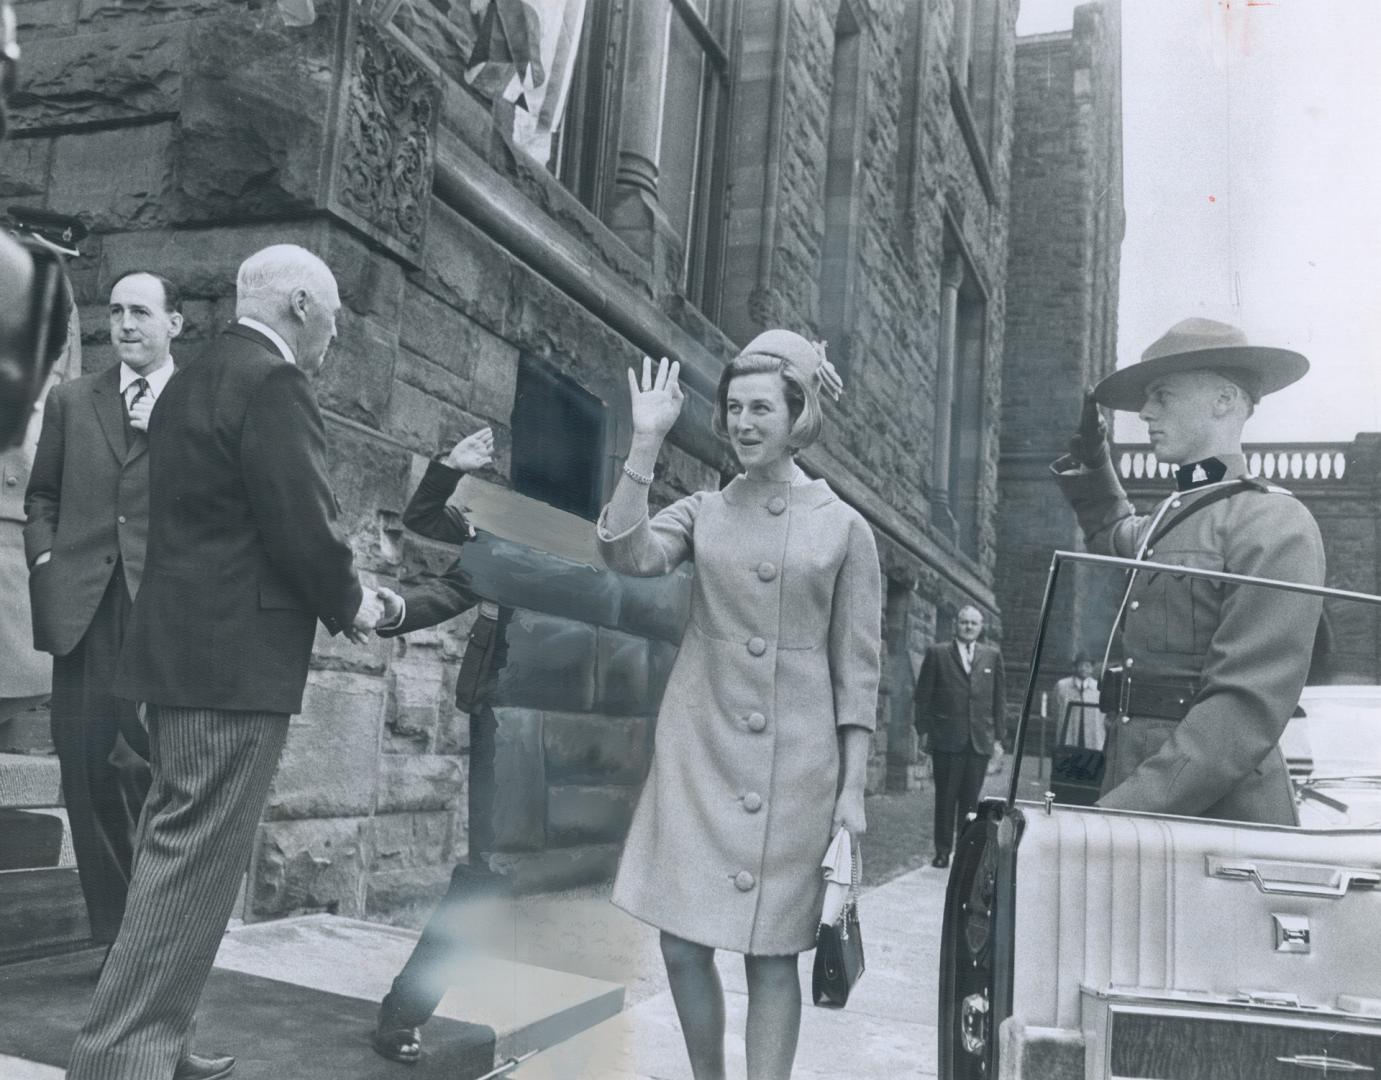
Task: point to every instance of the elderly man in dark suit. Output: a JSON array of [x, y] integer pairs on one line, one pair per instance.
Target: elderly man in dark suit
[[960, 701], [244, 558], [88, 520]]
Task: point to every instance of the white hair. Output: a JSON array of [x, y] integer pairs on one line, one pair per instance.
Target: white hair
[[271, 274]]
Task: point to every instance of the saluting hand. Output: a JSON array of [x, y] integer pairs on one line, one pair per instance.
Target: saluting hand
[[472, 452], [657, 402], [1090, 443]]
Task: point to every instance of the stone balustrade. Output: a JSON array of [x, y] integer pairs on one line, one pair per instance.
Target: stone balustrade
[[1287, 463]]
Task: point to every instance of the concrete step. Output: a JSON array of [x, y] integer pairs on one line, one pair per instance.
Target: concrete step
[[527, 1007], [29, 781]]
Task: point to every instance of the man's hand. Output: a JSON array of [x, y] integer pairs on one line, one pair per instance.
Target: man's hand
[[393, 609], [1089, 444], [472, 452], [139, 413], [366, 618]]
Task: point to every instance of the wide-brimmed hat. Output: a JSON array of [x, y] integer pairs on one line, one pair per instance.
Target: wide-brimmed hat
[[1202, 345]]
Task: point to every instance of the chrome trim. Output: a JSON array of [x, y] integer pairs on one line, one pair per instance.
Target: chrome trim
[[1325, 1064], [1291, 932], [1213, 575], [1329, 881]]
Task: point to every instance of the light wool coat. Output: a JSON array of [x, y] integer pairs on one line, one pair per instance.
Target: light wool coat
[[782, 649]]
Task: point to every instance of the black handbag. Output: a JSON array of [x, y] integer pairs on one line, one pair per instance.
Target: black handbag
[[1076, 772], [839, 951]]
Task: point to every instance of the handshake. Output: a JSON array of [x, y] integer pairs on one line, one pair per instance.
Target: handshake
[[381, 607]]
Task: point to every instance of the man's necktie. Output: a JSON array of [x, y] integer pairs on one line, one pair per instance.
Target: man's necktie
[[141, 391]]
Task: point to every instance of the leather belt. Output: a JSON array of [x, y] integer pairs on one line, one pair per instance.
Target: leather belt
[[1123, 695]]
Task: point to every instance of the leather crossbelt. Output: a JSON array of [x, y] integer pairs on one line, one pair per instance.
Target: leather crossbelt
[[1120, 694]]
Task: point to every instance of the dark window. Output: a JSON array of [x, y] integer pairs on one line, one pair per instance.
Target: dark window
[[583, 155], [693, 150], [558, 440]]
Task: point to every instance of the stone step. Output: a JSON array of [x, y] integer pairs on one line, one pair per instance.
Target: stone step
[[527, 1007], [29, 781], [41, 912], [298, 997]]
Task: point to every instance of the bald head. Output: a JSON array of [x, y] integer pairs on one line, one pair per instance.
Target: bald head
[[291, 290], [968, 623]]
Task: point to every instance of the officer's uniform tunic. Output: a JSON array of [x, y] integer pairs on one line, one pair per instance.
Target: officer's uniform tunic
[[1246, 648], [782, 648]]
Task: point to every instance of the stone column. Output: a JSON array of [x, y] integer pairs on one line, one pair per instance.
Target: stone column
[[951, 276], [636, 215]]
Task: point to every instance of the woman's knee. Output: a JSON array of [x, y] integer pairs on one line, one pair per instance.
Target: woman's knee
[[771, 971], [681, 955]]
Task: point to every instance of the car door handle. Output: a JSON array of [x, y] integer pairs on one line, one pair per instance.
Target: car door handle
[[1294, 879]]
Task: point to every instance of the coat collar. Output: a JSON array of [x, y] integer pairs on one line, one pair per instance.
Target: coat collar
[[740, 491], [110, 410]]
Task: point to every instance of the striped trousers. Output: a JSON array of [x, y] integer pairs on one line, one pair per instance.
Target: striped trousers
[[211, 774]]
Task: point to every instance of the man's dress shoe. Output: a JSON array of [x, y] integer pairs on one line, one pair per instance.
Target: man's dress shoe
[[940, 862], [402, 1044], [196, 1067]]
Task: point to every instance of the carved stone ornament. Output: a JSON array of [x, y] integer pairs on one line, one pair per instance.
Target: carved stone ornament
[[386, 162]]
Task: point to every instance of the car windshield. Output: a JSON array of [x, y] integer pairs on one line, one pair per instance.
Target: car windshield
[[1180, 689]]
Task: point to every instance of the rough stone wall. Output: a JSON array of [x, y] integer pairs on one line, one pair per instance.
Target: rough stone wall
[[191, 133], [1062, 289]]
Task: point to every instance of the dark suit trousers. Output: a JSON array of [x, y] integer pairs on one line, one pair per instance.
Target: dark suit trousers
[[470, 918], [958, 783], [103, 751], [211, 775]]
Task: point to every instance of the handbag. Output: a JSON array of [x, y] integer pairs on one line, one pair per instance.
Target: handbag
[[839, 945], [1076, 772]]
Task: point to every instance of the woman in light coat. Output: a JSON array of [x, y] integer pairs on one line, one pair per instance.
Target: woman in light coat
[[778, 669]]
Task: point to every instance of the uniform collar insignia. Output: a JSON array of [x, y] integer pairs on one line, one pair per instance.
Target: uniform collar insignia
[[1199, 473]]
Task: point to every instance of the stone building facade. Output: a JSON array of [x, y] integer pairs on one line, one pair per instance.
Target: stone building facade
[[840, 167], [1062, 294]]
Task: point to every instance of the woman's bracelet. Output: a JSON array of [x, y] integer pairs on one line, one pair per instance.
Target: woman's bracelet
[[636, 477]]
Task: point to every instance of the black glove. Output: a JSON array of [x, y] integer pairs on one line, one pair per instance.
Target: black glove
[[1089, 445]]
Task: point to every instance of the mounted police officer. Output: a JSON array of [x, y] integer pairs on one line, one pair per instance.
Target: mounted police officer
[[1202, 676]]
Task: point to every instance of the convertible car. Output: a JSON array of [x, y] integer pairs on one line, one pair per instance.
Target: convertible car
[[1084, 943]]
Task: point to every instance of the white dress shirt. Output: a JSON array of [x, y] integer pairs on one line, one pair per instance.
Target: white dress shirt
[[270, 333], [156, 379]]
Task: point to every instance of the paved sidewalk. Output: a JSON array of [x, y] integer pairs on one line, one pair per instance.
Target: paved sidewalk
[[888, 1030]]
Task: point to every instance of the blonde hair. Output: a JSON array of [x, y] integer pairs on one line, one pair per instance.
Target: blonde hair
[[802, 396]]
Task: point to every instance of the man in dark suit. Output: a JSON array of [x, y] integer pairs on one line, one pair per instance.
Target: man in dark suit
[[959, 704], [88, 518], [244, 557], [424, 602]]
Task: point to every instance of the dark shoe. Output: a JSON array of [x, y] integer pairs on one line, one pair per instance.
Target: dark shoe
[[196, 1067], [403, 1044], [940, 861]]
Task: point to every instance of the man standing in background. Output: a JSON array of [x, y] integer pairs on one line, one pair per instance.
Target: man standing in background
[[960, 701], [88, 520]]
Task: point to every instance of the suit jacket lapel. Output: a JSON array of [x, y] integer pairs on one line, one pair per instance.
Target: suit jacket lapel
[[110, 410]]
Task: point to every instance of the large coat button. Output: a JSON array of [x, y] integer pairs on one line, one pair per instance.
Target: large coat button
[[777, 505], [757, 722], [744, 881], [757, 646], [766, 571], [752, 802]]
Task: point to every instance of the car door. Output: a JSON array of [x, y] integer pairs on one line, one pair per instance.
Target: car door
[[1084, 942]]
